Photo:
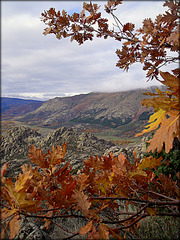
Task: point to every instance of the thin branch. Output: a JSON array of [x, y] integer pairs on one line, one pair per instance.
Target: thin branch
[[117, 20], [71, 236], [173, 202], [62, 227], [52, 217], [158, 194], [134, 215]]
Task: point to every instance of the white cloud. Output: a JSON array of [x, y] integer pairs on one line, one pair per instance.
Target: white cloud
[[34, 65]]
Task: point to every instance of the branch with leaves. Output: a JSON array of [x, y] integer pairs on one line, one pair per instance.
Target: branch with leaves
[[49, 191], [149, 45]]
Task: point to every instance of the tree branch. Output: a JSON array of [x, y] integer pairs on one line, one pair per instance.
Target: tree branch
[[173, 202]]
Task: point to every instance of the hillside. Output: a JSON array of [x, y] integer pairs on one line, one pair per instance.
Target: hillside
[[15, 106], [106, 109]]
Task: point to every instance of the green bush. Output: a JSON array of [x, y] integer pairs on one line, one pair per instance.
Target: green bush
[[170, 163]]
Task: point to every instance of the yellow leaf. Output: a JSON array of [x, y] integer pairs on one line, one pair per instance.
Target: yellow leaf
[[137, 173], [17, 200], [111, 177], [23, 181], [151, 211], [165, 134], [154, 121], [149, 162]]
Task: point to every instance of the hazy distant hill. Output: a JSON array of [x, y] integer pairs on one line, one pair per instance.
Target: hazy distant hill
[[108, 109], [14, 106]]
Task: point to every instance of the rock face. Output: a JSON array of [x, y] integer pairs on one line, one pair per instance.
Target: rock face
[[79, 145], [16, 143], [129, 150]]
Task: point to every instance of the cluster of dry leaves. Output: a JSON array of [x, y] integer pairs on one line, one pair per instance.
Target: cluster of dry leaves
[[50, 190]]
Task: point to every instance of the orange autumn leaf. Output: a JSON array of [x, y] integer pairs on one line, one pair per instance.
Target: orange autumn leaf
[[14, 226], [103, 231], [84, 230], [37, 156], [81, 181], [82, 202], [165, 134], [23, 181], [57, 154]]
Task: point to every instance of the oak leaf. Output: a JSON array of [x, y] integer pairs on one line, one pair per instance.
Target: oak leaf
[[12, 223], [17, 200], [23, 180], [84, 230], [57, 154], [165, 134], [171, 82], [82, 202], [38, 157], [103, 231], [154, 121], [14, 226], [82, 181], [149, 162], [138, 174]]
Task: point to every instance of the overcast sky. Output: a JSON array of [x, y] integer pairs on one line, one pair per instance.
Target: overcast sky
[[41, 67]]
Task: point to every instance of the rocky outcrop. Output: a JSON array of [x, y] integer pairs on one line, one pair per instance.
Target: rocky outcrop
[[16, 143], [129, 150], [79, 145]]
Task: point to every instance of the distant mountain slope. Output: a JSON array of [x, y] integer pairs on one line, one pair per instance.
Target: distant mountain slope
[[14, 106], [109, 109]]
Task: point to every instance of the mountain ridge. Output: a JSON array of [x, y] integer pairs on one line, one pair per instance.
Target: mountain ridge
[[108, 109], [14, 106]]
